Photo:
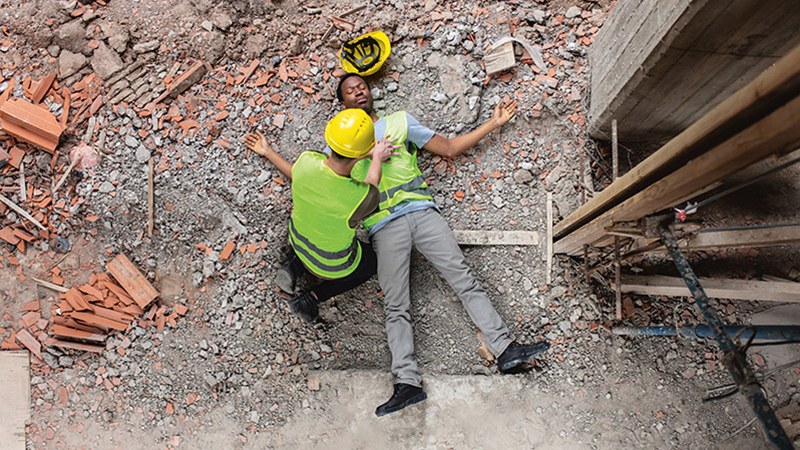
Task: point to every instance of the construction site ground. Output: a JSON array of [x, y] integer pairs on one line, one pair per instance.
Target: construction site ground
[[238, 370]]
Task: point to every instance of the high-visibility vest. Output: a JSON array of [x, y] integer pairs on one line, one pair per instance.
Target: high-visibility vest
[[401, 179], [319, 231]]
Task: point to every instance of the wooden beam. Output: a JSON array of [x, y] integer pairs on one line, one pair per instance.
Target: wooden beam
[[747, 238], [773, 134], [715, 288], [750, 104], [496, 237], [15, 394]]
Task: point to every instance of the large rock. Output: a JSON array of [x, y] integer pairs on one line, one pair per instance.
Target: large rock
[[69, 63], [106, 62], [72, 36], [117, 35]]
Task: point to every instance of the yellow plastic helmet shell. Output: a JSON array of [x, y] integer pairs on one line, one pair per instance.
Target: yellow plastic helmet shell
[[350, 133], [365, 54]]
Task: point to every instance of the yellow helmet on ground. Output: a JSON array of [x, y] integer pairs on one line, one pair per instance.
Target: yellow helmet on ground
[[365, 54], [350, 133]]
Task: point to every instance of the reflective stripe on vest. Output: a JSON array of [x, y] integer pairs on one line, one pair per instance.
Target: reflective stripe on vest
[[319, 231], [401, 179]]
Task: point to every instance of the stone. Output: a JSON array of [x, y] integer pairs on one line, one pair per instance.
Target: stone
[[207, 25], [106, 62], [392, 86], [116, 35], [222, 20], [70, 63], [523, 176], [106, 187], [539, 16], [572, 12], [72, 36], [149, 46], [53, 50], [131, 141], [142, 154]]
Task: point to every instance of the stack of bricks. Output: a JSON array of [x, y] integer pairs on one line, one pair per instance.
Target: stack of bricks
[[86, 315], [27, 121]]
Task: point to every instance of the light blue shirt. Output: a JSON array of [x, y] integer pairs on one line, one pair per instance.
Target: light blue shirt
[[418, 135]]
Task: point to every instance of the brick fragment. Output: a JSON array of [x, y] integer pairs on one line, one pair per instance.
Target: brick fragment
[[30, 342], [74, 345], [30, 123], [227, 251], [134, 283]]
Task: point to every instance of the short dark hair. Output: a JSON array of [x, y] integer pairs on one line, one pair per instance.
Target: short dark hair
[[339, 156], [342, 80]]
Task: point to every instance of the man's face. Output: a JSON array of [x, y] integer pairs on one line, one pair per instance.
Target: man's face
[[356, 94]]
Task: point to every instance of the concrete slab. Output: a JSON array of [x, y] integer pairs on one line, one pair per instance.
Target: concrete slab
[[776, 355], [460, 412], [14, 398]]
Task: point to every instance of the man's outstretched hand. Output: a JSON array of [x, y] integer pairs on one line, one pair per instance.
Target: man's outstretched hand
[[258, 143], [503, 112]]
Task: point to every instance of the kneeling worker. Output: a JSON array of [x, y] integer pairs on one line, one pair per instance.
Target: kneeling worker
[[328, 206]]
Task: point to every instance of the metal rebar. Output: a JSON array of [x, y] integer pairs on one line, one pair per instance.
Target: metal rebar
[[733, 358], [787, 333]]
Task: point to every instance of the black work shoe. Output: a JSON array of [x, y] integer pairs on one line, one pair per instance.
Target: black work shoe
[[404, 395], [285, 279], [515, 355], [304, 307]]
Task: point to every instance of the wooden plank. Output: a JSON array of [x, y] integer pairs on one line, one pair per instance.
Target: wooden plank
[[773, 134], [496, 237], [715, 288], [15, 394], [50, 286], [760, 97], [134, 283], [767, 236]]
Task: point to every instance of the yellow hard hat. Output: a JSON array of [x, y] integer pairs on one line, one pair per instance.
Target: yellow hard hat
[[350, 133], [365, 54]]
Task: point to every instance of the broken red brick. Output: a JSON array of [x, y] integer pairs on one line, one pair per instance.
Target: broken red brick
[[74, 345], [227, 251], [30, 342], [181, 309], [43, 87], [129, 277], [94, 319], [31, 123]]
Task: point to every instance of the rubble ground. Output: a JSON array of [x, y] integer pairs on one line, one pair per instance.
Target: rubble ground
[[180, 85]]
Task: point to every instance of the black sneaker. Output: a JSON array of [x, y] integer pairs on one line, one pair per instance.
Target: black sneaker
[[304, 307], [285, 279], [516, 355], [404, 395]]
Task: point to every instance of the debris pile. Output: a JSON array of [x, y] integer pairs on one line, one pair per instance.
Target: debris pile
[[86, 315]]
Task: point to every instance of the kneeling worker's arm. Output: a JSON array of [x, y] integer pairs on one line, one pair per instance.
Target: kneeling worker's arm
[[380, 153], [258, 144]]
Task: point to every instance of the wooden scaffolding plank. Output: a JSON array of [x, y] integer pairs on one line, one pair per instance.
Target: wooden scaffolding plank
[[15, 394], [745, 238], [760, 97], [773, 134], [770, 291]]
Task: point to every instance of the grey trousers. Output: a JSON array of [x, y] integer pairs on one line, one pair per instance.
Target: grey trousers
[[429, 233]]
